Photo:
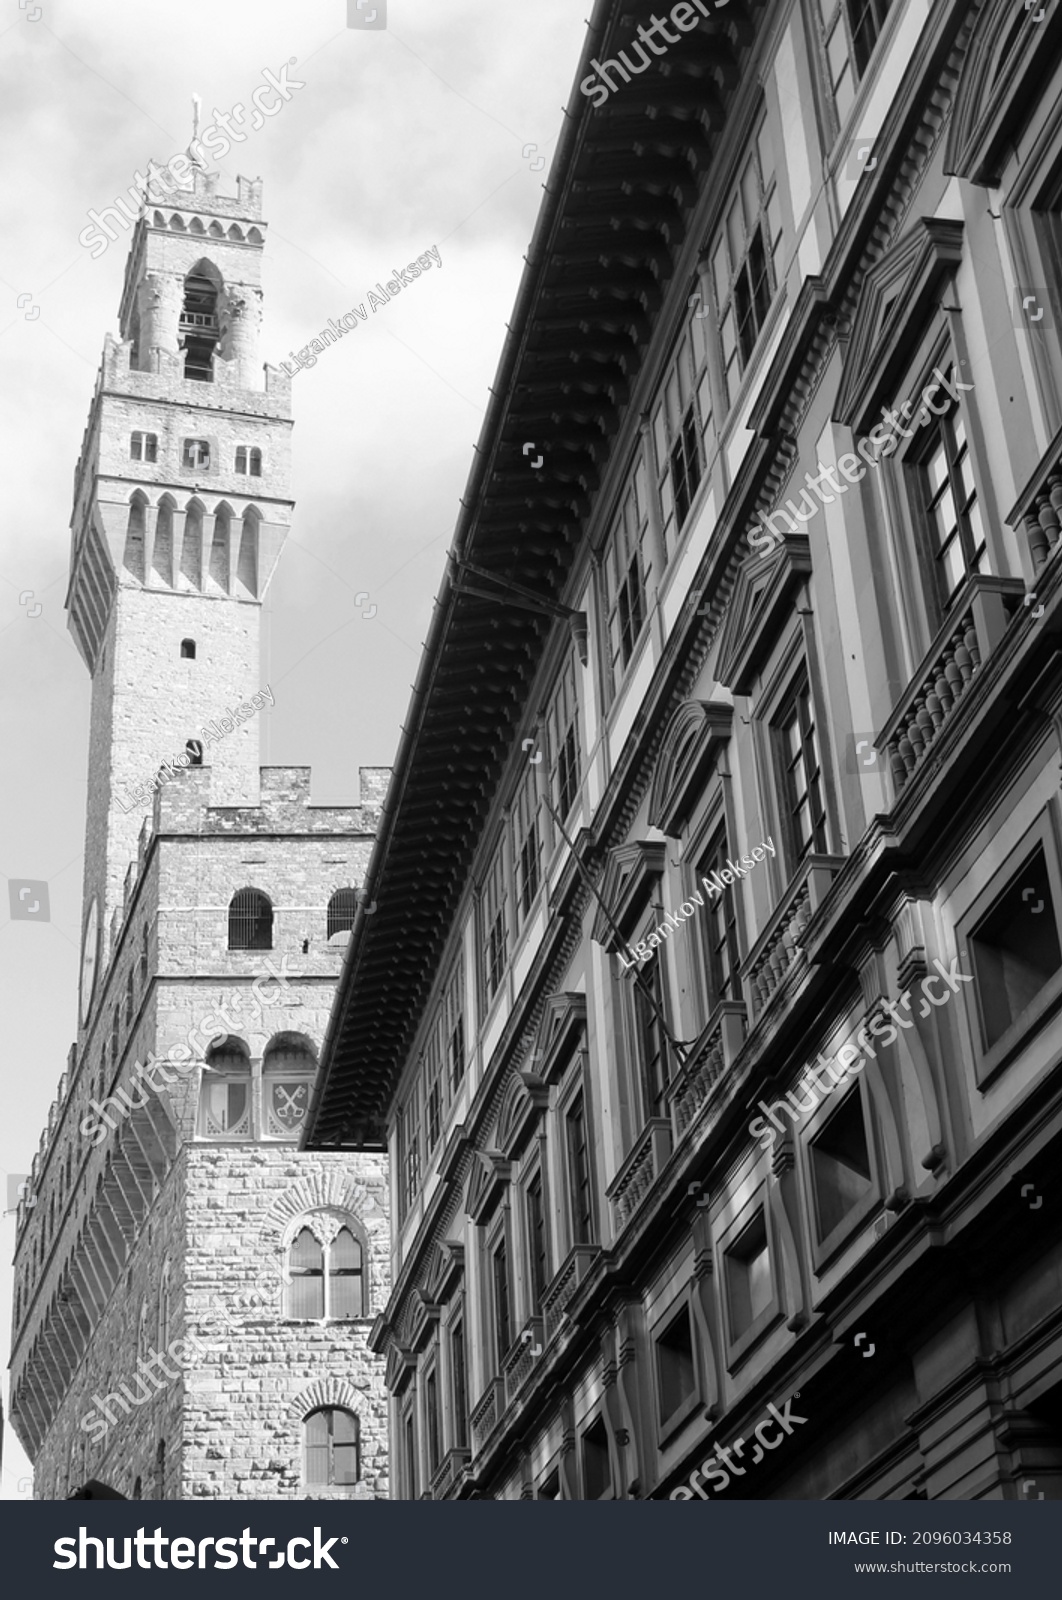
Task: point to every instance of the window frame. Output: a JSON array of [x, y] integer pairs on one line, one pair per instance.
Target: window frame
[[669, 1425], [921, 500], [740, 1346], [989, 1064], [769, 224], [824, 1249], [192, 452], [144, 447], [328, 1272], [799, 685], [331, 1481], [562, 731], [494, 914], [625, 609], [536, 1240], [578, 1100], [827, 27]]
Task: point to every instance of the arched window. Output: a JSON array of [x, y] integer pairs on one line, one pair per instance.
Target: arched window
[[289, 1063], [194, 748], [326, 1278], [344, 1277], [129, 985], [219, 547], [199, 322], [332, 1448], [247, 564], [145, 937], [225, 1107], [250, 921], [162, 555], [187, 649], [133, 558], [192, 545], [306, 1272], [341, 909], [115, 1027]]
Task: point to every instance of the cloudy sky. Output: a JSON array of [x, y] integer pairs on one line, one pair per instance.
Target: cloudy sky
[[399, 139]]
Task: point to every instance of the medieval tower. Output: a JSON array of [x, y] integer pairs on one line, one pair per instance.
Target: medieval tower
[[193, 1296]]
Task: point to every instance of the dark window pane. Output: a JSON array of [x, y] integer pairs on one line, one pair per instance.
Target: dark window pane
[[1015, 949], [597, 1471], [840, 1165], [748, 1277], [675, 1369]]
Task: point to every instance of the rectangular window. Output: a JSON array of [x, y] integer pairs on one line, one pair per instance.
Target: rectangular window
[[839, 1162], [409, 1150], [459, 1385], [1014, 949], [453, 1022], [537, 1250], [410, 1453], [649, 1038], [676, 1370], [849, 31], [495, 929], [627, 573], [563, 743], [433, 1090], [527, 848], [951, 512], [580, 1198], [748, 1277], [597, 1467], [683, 430], [499, 1270], [195, 453], [801, 763], [432, 1420], [745, 258], [719, 927], [144, 447]]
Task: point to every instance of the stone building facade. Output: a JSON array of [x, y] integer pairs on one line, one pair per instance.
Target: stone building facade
[[722, 1057], [193, 1297]]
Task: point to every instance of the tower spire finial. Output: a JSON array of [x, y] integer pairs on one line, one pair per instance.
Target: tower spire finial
[[194, 158]]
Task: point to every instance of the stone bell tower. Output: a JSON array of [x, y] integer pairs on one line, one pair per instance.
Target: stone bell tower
[[193, 1295]]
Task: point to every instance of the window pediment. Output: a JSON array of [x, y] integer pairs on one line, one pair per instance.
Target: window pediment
[[631, 872], [560, 1034], [695, 737], [490, 1179], [898, 295], [1008, 55], [761, 602], [526, 1098]]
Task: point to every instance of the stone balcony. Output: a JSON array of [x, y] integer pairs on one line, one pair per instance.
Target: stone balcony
[[779, 945], [487, 1414], [639, 1172], [520, 1361], [716, 1050], [974, 626], [569, 1276], [449, 1473]]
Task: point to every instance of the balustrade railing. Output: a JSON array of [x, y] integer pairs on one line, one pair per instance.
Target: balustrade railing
[[974, 626], [639, 1172], [779, 946]]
